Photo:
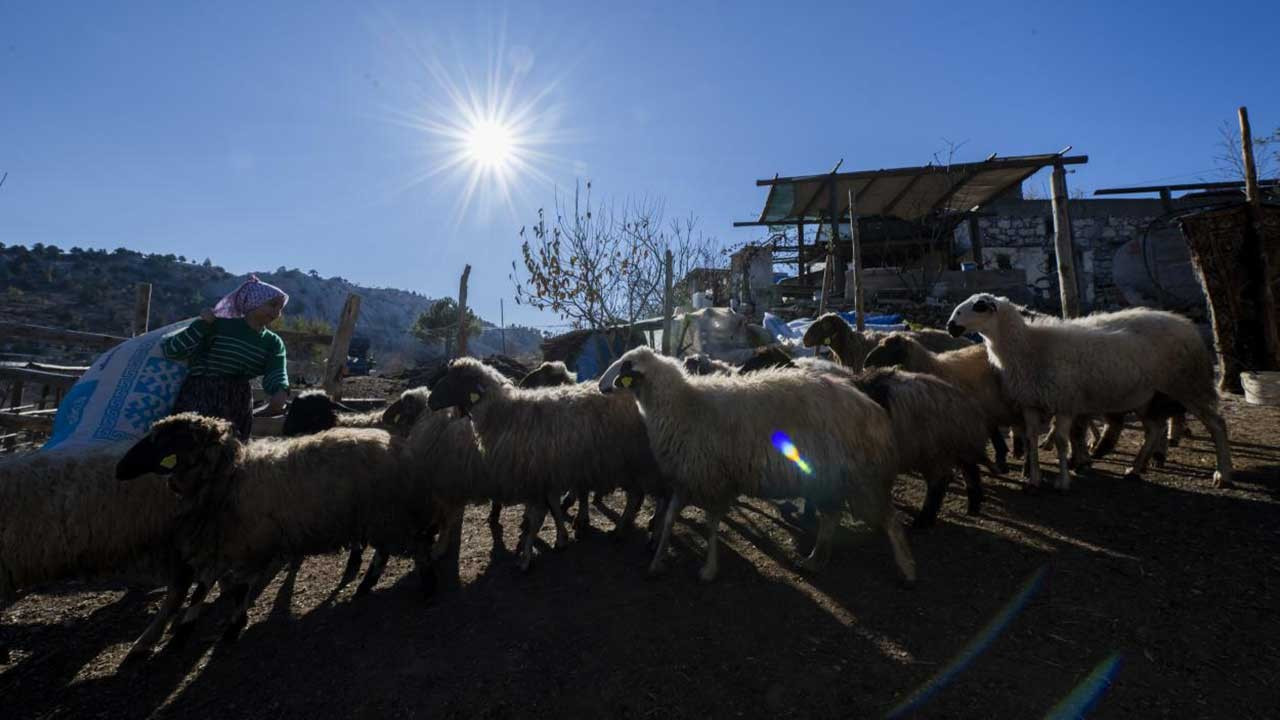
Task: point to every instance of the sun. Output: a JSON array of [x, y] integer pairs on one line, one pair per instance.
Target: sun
[[491, 145]]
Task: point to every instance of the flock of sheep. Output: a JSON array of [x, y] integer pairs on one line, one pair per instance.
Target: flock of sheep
[[191, 505]]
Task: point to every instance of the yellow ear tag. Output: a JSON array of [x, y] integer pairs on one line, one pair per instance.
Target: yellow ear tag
[[828, 340], [395, 418], [475, 398], [625, 381], [169, 462]]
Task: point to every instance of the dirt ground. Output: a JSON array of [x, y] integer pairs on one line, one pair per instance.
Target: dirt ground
[[1175, 577]]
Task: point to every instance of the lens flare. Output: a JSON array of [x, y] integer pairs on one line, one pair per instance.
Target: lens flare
[[789, 451]]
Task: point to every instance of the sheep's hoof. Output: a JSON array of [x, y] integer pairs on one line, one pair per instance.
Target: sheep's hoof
[[1220, 480], [1159, 459], [525, 562]]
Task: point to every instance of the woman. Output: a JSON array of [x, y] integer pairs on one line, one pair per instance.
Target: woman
[[226, 348]]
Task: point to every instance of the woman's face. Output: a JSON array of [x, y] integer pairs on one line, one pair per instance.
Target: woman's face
[[267, 313]]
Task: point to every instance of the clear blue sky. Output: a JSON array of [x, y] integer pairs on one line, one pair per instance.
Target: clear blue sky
[[267, 134]]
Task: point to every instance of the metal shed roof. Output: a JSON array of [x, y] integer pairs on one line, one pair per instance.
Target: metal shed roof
[[909, 193]]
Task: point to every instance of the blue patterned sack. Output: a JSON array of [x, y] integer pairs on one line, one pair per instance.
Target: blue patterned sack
[[125, 390]]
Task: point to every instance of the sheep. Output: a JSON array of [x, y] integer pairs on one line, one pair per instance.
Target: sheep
[[314, 411], [243, 505], [771, 437], [851, 346], [706, 365], [63, 515], [1096, 366], [936, 426], [401, 414], [968, 368], [547, 441]]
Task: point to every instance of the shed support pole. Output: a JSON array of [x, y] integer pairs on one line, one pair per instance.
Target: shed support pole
[[837, 258], [1062, 245], [975, 240], [855, 240], [668, 304], [142, 309]]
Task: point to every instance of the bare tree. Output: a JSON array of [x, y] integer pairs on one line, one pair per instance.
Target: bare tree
[[597, 266], [1229, 161]]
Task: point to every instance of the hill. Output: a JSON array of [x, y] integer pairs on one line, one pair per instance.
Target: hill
[[93, 290]]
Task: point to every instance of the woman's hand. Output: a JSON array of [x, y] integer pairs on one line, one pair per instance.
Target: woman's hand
[[207, 316]]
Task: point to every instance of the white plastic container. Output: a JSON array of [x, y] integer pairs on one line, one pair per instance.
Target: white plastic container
[[1261, 388]]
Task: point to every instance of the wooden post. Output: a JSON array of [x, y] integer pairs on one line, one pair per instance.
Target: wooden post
[[855, 239], [802, 267], [337, 360], [668, 302], [1246, 154], [462, 311], [975, 240], [502, 319], [837, 269], [826, 281], [1062, 245], [1270, 330], [142, 309]]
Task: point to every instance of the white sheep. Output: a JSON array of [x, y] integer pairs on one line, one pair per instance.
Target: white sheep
[[769, 434], [1068, 368], [548, 441]]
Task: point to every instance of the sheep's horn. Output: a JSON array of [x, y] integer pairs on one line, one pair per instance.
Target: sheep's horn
[[606, 380]]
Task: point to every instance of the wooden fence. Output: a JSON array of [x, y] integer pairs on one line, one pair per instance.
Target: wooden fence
[[47, 382]]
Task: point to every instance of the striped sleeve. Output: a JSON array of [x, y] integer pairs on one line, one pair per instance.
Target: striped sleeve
[[276, 377], [179, 346]]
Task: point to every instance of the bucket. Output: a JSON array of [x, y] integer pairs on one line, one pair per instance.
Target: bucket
[[968, 266], [1261, 388]]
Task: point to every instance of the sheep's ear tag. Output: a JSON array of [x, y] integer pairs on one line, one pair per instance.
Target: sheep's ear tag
[[395, 418], [169, 461], [828, 340], [475, 398], [625, 381]]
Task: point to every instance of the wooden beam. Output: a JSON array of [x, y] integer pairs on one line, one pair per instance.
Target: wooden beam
[[58, 336], [668, 302], [27, 421], [142, 309], [975, 240], [802, 267], [298, 339], [855, 239], [1032, 161], [888, 209], [1189, 186], [837, 269], [39, 377], [462, 311], [1063, 246], [336, 362], [1246, 154]]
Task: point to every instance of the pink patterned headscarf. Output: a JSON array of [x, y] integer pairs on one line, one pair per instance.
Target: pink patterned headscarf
[[251, 295]]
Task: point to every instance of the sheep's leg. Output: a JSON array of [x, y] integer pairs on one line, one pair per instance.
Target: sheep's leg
[[354, 558], [1161, 451], [557, 514], [1061, 442], [808, 518], [1152, 432], [898, 541], [1110, 436], [179, 583], [1031, 428], [374, 573], [712, 565], [535, 514], [184, 623], [1001, 450], [635, 499], [820, 555], [936, 482], [673, 506], [452, 520], [1080, 428], [655, 523], [582, 521], [973, 487], [1209, 417], [1177, 429], [495, 513], [1019, 449]]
